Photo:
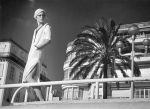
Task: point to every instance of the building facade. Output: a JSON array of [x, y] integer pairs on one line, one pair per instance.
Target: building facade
[[12, 62], [141, 89]]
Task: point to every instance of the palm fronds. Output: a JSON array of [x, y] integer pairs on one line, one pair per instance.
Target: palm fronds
[[94, 51]]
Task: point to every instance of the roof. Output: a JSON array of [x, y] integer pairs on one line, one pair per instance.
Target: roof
[[10, 40], [144, 26]]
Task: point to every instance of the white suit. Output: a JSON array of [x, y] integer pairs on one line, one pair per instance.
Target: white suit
[[41, 37]]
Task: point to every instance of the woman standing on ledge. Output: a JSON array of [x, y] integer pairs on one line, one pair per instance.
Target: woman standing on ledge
[[41, 37]]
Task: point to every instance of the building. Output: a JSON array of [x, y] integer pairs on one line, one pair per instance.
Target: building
[[12, 62], [141, 89], [142, 41]]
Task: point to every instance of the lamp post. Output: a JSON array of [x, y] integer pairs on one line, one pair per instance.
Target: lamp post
[[119, 45], [146, 43], [132, 30]]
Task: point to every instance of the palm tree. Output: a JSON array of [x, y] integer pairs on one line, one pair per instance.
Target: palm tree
[[95, 52]]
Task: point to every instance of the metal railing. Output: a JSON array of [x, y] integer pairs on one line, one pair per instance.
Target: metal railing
[[72, 82]]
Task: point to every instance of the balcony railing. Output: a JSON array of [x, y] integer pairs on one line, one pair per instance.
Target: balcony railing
[[72, 82]]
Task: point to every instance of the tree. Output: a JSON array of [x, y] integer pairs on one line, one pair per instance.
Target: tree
[[95, 51]]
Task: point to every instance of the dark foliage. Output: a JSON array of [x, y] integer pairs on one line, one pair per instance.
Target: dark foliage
[[94, 51]]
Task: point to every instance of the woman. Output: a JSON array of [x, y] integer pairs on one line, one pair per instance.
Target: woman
[[41, 37]]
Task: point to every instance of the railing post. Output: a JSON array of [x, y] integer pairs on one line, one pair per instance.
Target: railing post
[[50, 94], [132, 90], [92, 91], [26, 95], [132, 67], [72, 93], [47, 93], [97, 90]]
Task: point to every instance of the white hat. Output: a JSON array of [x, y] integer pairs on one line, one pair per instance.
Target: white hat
[[38, 11]]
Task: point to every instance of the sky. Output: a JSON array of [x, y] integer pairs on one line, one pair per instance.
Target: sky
[[66, 18]]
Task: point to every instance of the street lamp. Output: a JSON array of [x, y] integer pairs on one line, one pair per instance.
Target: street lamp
[[133, 30], [146, 43], [119, 45]]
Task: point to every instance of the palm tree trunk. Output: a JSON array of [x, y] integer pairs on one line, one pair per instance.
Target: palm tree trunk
[[105, 83]]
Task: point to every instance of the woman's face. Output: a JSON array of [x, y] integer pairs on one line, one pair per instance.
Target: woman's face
[[40, 17]]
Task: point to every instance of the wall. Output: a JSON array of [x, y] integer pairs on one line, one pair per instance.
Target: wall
[[97, 104]]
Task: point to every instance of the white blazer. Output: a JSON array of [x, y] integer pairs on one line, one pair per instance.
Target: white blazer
[[41, 38]]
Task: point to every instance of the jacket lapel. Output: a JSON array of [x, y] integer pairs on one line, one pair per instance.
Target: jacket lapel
[[38, 34]]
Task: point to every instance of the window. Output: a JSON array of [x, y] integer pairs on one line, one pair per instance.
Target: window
[[142, 93], [65, 93], [18, 97], [12, 71], [14, 49], [81, 93], [20, 77], [146, 93], [8, 94], [70, 91], [75, 93], [137, 94], [1, 69]]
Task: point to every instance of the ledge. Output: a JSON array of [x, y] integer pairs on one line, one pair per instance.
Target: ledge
[[88, 104]]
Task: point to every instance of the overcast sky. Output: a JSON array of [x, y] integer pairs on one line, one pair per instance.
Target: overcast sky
[[66, 17]]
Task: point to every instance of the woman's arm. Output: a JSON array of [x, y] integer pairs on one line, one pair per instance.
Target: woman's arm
[[46, 38]]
